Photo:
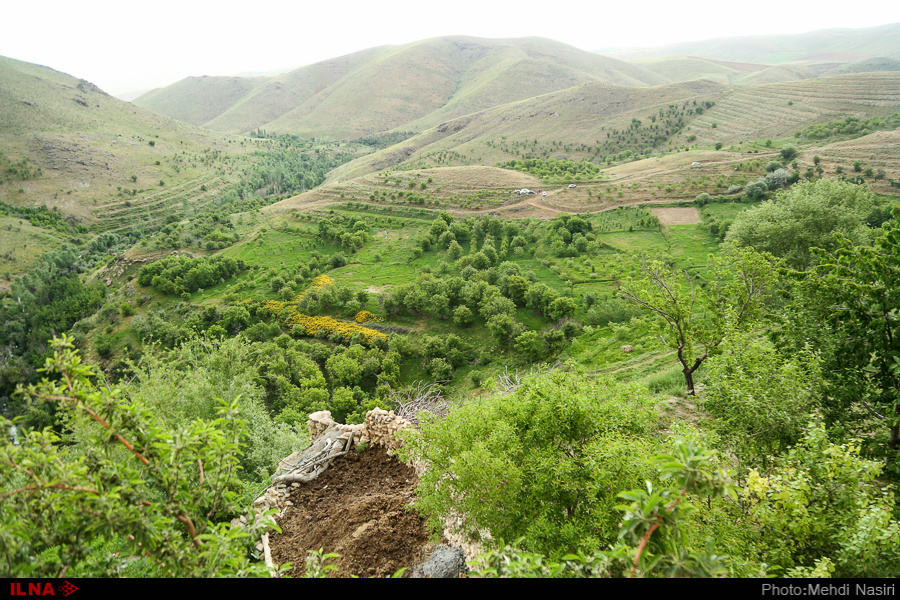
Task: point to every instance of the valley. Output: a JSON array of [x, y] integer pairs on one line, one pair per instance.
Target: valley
[[344, 235]]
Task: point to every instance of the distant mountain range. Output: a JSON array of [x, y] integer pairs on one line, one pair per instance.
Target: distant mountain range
[[822, 46]]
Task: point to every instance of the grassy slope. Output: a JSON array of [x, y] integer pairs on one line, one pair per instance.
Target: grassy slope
[[688, 68], [88, 143], [198, 100], [575, 116], [436, 79]]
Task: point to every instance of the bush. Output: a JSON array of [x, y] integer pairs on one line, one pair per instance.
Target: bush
[[788, 152], [756, 190], [759, 399], [613, 310], [778, 179], [545, 462], [337, 260]]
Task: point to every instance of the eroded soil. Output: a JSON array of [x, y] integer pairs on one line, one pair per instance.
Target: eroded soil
[[358, 509]]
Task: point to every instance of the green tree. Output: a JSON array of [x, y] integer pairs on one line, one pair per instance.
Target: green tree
[[803, 217], [462, 316], [693, 320], [819, 506], [760, 400], [128, 476], [854, 292], [788, 152]]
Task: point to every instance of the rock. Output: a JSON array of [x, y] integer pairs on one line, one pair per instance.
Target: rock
[[627, 348], [362, 529], [446, 562]]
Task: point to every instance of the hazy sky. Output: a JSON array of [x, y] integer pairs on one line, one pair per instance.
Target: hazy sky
[[124, 46]]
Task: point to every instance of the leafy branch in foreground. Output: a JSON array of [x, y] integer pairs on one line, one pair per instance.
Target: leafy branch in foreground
[[126, 476]]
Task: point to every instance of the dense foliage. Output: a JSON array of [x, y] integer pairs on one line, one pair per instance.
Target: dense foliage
[[850, 126], [544, 462], [157, 486], [804, 217], [178, 274]]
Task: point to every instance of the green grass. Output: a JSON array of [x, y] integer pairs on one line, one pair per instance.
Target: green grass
[[20, 245], [692, 244]]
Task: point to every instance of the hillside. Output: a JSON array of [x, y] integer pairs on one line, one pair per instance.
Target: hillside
[[90, 163], [198, 100], [594, 121], [675, 69], [578, 121], [86, 145], [778, 110], [415, 85]]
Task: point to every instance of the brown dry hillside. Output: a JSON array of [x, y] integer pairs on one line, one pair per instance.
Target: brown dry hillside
[[577, 116]]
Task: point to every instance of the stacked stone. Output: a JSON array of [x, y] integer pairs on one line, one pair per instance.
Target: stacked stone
[[382, 427], [320, 422]]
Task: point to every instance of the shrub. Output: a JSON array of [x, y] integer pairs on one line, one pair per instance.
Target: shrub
[[545, 462], [337, 260], [788, 152]]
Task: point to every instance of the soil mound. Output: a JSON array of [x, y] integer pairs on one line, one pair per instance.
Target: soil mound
[[358, 509]]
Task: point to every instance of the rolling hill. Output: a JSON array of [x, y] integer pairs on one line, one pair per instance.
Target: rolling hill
[[87, 145], [579, 123], [414, 86], [67, 145]]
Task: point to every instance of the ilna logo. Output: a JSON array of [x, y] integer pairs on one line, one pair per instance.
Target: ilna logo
[[17, 588]]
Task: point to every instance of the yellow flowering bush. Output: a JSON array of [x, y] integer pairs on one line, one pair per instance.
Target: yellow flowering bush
[[313, 325], [272, 307], [315, 285], [365, 316]]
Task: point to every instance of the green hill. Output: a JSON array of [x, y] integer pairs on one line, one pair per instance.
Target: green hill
[[198, 100], [688, 68], [415, 86], [84, 146]]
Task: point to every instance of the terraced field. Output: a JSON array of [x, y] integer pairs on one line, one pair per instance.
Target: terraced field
[[778, 110], [150, 209], [474, 188]]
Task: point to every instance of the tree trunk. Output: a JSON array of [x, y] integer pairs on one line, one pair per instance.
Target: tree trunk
[[894, 441], [689, 380], [689, 371]]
